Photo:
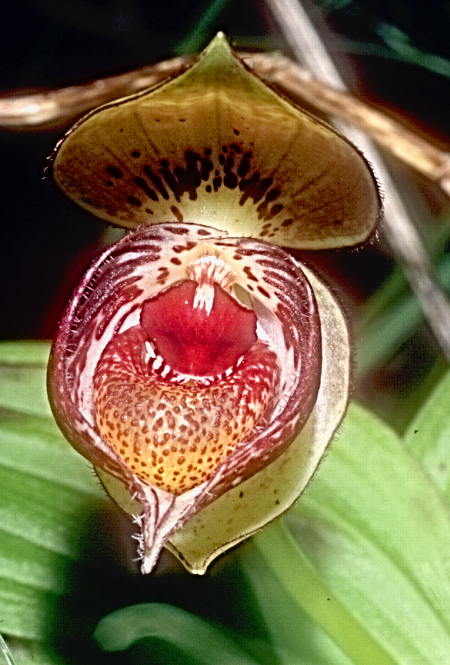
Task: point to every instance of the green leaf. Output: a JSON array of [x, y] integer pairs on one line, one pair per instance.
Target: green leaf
[[19, 652], [428, 436], [365, 552], [195, 637], [47, 491], [295, 638], [22, 377]]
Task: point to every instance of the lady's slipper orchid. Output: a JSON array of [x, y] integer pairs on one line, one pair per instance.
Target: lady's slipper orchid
[[202, 374]]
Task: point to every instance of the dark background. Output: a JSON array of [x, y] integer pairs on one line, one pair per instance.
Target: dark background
[[46, 242]]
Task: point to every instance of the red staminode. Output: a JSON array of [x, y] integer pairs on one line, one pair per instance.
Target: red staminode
[[190, 340]]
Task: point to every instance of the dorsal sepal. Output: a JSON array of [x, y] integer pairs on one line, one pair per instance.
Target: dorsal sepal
[[215, 145]]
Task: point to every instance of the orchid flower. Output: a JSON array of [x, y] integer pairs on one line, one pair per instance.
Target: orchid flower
[[198, 366]]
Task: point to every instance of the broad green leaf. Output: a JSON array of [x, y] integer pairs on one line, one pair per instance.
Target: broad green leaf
[[428, 436], [196, 638], [47, 492], [20, 652], [366, 551], [295, 638], [34, 446], [22, 369]]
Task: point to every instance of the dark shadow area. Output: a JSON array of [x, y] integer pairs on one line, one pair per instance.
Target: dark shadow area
[[105, 578]]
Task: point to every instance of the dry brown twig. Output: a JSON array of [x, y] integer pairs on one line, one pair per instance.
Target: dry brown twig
[[53, 109]]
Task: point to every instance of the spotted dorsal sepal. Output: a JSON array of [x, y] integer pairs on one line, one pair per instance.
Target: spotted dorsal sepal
[[217, 146]]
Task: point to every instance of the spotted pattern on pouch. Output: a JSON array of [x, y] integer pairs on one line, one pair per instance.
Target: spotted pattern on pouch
[[176, 436]]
